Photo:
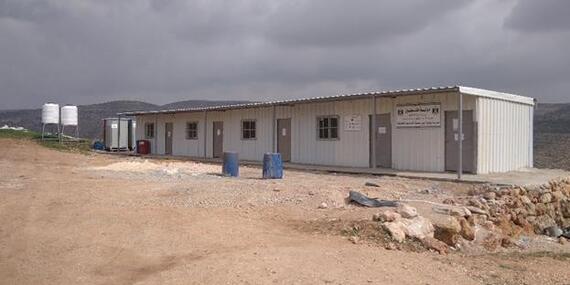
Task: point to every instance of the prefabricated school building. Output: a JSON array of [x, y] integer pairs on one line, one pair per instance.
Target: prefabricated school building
[[415, 130]]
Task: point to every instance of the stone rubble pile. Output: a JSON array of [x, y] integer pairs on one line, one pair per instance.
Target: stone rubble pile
[[529, 209], [492, 217]]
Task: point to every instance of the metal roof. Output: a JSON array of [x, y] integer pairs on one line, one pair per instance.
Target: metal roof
[[391, 93]]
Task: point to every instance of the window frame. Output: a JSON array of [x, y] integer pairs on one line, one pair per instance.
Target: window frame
[[146, 130], [328, 128], [250, 130], [195, 131]]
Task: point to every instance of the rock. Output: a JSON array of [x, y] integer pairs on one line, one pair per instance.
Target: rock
[[490, 195], [418, 227], [447, 237], [507, 242], [447, 230], [473, 202], [562, 240], [448, 223], [565, 208], [449, 201], [407, 211], [435, 244], [546, 198], [525, 200], [386, 216], [478, 211], [542, 222], [452, 211], [371, 184], [467, 231], [395, 230], [354, 239], [558, 196], [390, 246], [553, 231], [323, 205]]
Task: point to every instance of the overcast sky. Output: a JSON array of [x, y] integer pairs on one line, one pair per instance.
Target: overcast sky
[[159, 51]]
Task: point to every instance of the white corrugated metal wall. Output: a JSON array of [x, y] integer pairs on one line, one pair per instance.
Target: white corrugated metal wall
[[504, 136]]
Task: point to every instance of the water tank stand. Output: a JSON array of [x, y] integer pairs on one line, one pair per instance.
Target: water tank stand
[[44, 130], [76, 132]]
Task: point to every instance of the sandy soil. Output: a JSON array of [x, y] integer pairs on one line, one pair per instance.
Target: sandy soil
[[70, 218]]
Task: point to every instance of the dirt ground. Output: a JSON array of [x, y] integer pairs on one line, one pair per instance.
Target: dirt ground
[[69, 218]]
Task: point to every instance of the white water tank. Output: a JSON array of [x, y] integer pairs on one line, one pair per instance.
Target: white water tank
[[50, 113], [69, 115]]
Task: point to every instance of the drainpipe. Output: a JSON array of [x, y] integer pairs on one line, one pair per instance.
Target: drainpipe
[[373, 131], [205, 132], [155, 133], [460, 166], [273, 132]]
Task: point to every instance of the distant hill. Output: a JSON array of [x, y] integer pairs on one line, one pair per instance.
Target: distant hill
[[552, 118], [552, 136], [90, 116]]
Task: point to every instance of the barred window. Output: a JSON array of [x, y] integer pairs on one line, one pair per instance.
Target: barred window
[[192, 130], [248, 130], [149, 130], [327, 127]]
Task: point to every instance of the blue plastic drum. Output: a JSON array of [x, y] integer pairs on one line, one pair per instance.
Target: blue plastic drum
[[230, 166], [272, 166]]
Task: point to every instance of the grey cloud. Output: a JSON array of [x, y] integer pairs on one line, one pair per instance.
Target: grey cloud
[[160, 51], [540, 16], [333, 22]]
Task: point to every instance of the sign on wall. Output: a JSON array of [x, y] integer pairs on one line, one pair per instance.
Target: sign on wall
[[418, 116], [352, 122]]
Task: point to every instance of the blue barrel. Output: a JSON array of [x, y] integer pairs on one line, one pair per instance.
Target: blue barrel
[[272, 166], [230, 166]]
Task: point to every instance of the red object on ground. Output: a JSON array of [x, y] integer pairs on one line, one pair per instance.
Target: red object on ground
[[143, 147]]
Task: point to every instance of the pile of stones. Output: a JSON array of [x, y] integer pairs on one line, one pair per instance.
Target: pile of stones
[[529, 209], [490, 216]]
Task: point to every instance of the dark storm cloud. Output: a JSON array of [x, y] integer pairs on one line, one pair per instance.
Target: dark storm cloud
[[540, 16], [160, 51], [333, 22]]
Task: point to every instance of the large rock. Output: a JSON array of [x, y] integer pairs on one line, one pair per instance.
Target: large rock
[[395, 230], [447, 230], [386, 216], [447, 223], [418, 227], [467, 231], [407, 211], [435, 244]]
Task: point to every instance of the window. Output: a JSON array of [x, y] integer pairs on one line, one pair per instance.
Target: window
[[149, 130], [192, 130], [248, 130], [327, 127]]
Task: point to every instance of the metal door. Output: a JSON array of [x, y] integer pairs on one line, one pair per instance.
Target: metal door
[[452, 141], [218, 140], [284, 138], [383, 140], [168, 138]]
